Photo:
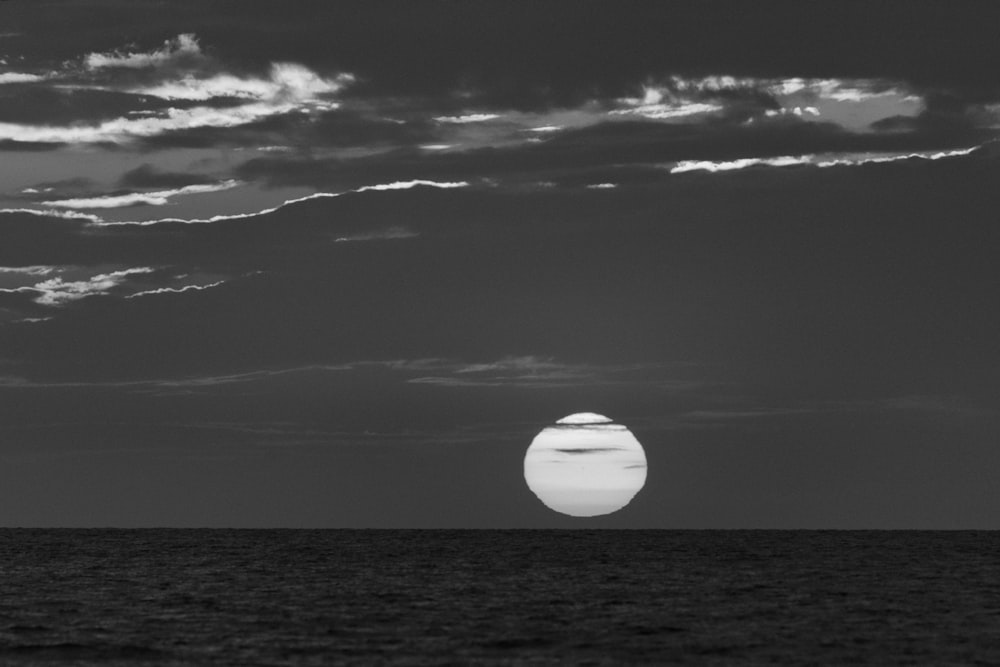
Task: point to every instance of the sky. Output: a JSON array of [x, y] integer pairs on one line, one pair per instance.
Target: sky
[[337, 264]]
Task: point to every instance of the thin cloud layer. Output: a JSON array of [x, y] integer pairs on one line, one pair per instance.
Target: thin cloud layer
[[59, 291], [57, 286], [284, 127], [381, 187], [176, 290], [179, 72], [834, 160], [158, 198], [284, 81], [181, 47], [19, 77]]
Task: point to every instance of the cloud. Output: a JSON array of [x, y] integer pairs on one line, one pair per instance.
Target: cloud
[[468, 118], [589, 450], [795, 111], [395, 232], [181, 47], [123, 129], [28, 270], [406, 185], [853, 104], [743, 163], [158, 198], [97, 221], [19, 77], [51, 213], [826, 160], [875, 158], [413, 371], [534, 372], [285, 81], [58, 292], [653, 106], [176, 290], [183, 74]]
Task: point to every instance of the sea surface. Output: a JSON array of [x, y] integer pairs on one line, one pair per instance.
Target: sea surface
[[325, 597]]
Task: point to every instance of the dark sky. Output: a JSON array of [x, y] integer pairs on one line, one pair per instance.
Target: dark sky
[[335, 264]]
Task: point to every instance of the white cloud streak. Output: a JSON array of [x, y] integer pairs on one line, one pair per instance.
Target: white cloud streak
[[58, 292], [406, 185], [468, 118], [158, 198], [742, 163], [52, 213], [286, 80], [176, 290], [666, 111], [877, 158], [19, 77], [182, 45], [38, 270], [398, 185], [123, 129], [288, 87], [850, 159]]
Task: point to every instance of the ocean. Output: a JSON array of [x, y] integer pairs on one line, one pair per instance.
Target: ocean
[[484, 597]]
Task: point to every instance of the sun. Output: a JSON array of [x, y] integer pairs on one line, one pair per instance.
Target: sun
[[585, 465]]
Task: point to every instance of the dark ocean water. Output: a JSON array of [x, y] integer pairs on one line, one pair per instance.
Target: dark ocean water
[[302, 597]]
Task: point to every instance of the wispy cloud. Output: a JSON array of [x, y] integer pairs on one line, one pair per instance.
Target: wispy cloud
[[824, 160], [19, 77], [382, 187], [58, 292], [532, 372], [406, 185], [468, 118], [176, 290], [186, 74], [185, 45], [742, 163], [52, 213], [158, 198], [657, 106], [54, 286], [123, 129], [285, 81], [28, 270], [395, 232], [851, 103], [526, 372]]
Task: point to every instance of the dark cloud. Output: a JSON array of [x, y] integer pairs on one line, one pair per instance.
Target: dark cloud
[[587, 450]]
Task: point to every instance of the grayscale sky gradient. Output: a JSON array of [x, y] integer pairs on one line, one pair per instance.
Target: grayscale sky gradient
[[336, 264]]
